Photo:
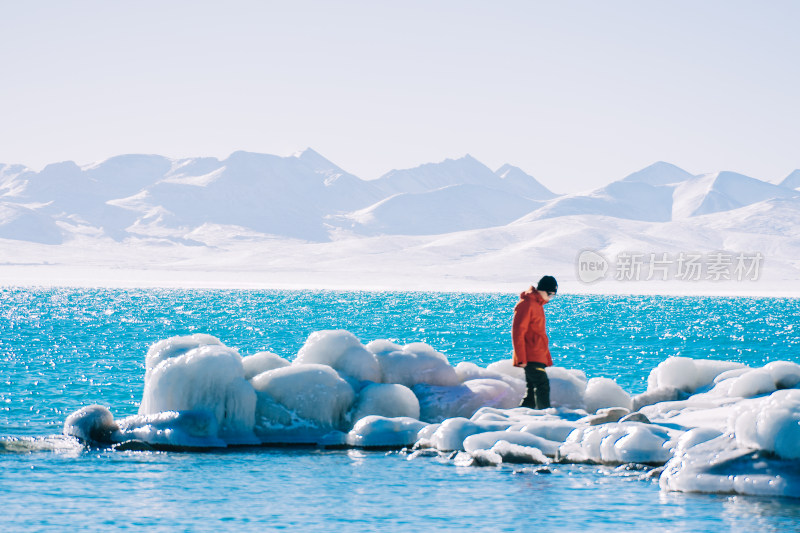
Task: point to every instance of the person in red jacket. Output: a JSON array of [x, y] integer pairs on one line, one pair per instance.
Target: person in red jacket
[[531, 345]]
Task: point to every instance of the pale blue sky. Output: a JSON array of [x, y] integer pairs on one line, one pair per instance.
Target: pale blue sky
[[575, 93]]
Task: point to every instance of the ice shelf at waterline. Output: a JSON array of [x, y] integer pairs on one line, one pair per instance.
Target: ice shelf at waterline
[[714, 426]]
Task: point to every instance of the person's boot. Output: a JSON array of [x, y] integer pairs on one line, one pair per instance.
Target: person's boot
[[529, 400]]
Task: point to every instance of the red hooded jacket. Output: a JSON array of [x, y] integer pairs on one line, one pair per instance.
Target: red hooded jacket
[[531, 344]]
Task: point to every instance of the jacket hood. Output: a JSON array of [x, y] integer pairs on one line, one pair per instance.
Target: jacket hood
[[532, 294]]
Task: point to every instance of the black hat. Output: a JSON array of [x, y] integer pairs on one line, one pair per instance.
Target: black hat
[[547, 284]]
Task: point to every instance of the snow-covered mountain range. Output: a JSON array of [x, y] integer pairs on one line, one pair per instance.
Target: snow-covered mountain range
[[441, 215], [303, 196]]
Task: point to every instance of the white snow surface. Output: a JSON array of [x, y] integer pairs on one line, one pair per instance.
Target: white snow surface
[[722, 191], [265, 221], [716, 426]]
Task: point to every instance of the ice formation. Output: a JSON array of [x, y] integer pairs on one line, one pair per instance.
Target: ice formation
[[261, 362], [714, 426], [209, 378]]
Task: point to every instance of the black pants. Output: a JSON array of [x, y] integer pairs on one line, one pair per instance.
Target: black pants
[[538, 396]]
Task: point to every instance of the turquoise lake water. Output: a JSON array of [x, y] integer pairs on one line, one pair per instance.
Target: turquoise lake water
[[62, 349]]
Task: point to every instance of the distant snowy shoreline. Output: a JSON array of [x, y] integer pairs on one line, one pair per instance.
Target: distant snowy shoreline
[[124, 278]]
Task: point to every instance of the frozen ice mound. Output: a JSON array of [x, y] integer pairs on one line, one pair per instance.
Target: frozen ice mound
[[342, 351], [378, 432], [261, 362], [516, 453], [92, 424], [469, 371], [567, 387], [208, 377], [771, 424], [487, 440], [719, 465], [688, 375], [714, 426], [390, 400], [617, 443], [176, 346], [451, 434], [312, 396], [604, 392], [184, 429], [438, 403], [414, 364]]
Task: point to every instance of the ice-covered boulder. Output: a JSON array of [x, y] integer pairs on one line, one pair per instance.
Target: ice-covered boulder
[[206, 378], [450, 434], [301, 395], [261, 362], [415, 363], [389, 400], [695, 436], [342, 351], [181, 429], [383, 346], [506, 366], [469, 371], [618, 443], [662, 394], [438, 403], [752, 383], [720, 466], [91, 424], [380, 432], [552, 428], [688, 375], [635, 417], [785, 374], [605, 392], [486, 440], [175, 347], [606, 415], [495, 415], [748, 382], [567, 387], [518, 454], [771, 423]]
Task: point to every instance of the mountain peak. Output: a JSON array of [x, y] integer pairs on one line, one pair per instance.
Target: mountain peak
[[242, 155], [432, 176], [792, 181], [11, 170], [506, 170], [659, 173], [308, 153], [63, 167], [315, 160], [523, 183], [125, 161], [465, 161], [723, 191]]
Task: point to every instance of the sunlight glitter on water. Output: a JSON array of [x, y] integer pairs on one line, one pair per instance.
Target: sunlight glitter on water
[[62, 349]]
